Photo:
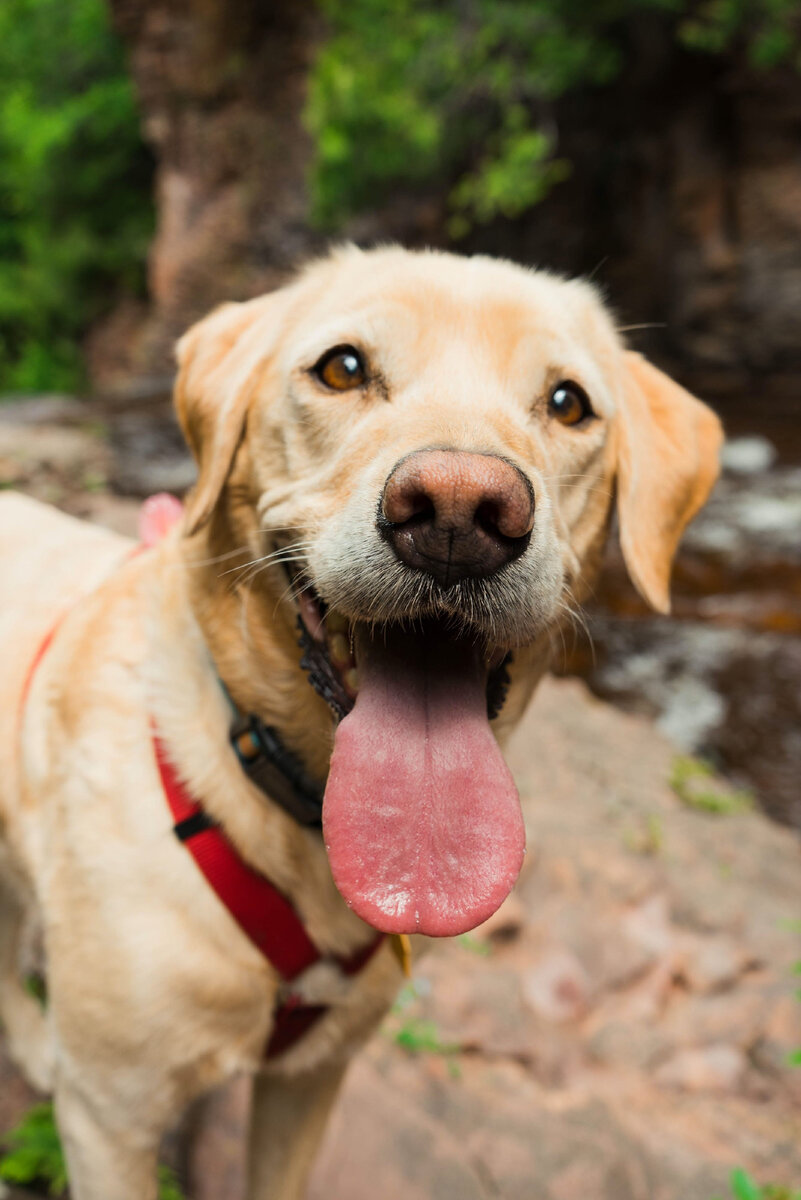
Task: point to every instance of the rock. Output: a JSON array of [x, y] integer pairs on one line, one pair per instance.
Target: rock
[[711, 964], [557, 987], [506, 923], [383, 1140], [119, 513], [60, 456], [217, 1165], [716, 1068], [748, 455], [15, 1095], [480, 1006], [624, 1043], [150, 454]]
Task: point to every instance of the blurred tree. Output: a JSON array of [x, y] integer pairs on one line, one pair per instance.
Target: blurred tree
[[654, 141], [272, 121], [459, 96], [221, 86], [75, 178]]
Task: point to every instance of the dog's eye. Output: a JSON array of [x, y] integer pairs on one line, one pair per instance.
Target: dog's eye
[[569, 403], [341, 368]]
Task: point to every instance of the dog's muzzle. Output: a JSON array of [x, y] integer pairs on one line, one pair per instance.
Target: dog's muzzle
[[456, 515]]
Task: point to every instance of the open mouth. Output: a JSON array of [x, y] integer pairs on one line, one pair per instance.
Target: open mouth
[[421, 817]]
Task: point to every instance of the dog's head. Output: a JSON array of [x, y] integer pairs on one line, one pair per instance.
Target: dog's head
[[432, 445]]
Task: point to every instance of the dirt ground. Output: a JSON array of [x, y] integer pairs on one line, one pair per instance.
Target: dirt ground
[[619, 1031]]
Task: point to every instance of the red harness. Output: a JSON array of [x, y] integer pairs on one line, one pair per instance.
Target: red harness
[[262, 912]]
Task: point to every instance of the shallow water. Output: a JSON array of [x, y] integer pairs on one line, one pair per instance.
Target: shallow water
[[722, 677]]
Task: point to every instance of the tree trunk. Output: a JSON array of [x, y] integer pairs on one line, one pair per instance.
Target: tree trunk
[[221, 85]]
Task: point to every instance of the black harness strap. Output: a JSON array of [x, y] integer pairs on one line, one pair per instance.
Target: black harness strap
[[276, 770]]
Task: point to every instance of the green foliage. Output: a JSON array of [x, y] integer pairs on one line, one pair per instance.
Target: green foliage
[[794, 1058], [75, 209], [35, 1157], [475, 945], [697, 786], [458, 97], [743, 1187], [169, 1188], [36, 986], [647, 838], [768, 30], [422, 1037]]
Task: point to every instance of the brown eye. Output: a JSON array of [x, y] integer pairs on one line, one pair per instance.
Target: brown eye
[[341, 368], [569, 403]]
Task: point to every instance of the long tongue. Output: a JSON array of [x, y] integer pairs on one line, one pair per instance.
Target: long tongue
[[421, 817]]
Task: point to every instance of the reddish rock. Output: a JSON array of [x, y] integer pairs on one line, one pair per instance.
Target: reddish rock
[[716, 1068]]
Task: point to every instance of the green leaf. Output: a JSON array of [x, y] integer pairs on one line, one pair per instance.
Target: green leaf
[[697, 786], [75, 186], [475, 945], [422, 1037], [35, 1157], [169, 1188], [743, 1186]]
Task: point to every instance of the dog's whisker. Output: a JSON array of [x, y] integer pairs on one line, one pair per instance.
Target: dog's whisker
[[260, 566], [290, 590], [210, 562], [578, 620], [282, 554]]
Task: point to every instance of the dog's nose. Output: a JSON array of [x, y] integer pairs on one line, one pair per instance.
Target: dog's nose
[[457, 515]]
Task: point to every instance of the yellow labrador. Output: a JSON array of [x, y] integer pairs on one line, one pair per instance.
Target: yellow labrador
[[408, 462]]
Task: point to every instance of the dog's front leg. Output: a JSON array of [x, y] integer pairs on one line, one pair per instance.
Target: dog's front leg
[[289, 1117], [108, 1157]]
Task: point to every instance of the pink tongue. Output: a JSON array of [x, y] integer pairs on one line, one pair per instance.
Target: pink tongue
[[421, 816]]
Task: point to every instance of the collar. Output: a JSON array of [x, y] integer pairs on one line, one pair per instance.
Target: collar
[[265, 759], [275, 769]]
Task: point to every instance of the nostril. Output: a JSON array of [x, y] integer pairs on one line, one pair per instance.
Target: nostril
[[419, 507], [509, 518], [405, 501], [487, 517]]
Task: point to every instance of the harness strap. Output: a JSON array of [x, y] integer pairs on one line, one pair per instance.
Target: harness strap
[[41, 651], [262, 912], [256, 905]]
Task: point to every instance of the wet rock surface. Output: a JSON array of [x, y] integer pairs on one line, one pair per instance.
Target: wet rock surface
[[722, 677]]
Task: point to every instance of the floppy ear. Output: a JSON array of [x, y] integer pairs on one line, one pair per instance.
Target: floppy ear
[[667, 462], [218, 361]]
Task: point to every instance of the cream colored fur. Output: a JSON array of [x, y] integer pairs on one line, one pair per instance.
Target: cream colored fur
[[155, 995]]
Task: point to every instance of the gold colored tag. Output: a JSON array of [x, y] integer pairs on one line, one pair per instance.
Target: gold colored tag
[[402, 949]]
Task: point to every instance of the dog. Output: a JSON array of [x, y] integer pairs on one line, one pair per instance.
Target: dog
[[407, 467]]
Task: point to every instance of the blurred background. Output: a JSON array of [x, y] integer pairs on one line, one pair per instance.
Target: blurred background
[[159, 156], [624, 1029]]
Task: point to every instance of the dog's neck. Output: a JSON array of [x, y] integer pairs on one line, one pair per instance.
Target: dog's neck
[[251, 633]]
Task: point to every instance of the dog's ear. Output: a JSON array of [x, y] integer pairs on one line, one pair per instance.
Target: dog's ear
[[667, 462], [218, 361]]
